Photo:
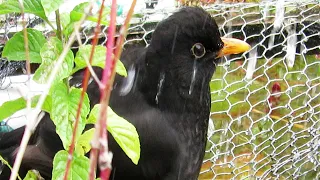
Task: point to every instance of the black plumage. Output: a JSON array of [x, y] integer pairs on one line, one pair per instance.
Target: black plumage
[[166, 96]]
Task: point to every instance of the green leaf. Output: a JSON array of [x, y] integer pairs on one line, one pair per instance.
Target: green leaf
[[83, 144], [93, 116], [98, 59], [10, 107], [67, 31], [50, 53], [32, 175], [50, 6], [65, 19], [63, 114], [14, 48], [67, 25], [30, 6], [123, 132], [77, 13], [79, 166]]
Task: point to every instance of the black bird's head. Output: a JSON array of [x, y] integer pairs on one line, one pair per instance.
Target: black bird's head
[[184, 50], [191, 31]]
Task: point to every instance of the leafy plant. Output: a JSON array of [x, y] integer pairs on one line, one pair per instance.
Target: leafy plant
[[62, 100]]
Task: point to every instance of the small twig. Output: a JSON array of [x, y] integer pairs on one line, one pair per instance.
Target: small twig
[[58, 23], [50, 24], [84, 89], [33, 121], [15, 170], [23, 145], [78, 37], [8, 165], [26, 47], [93, 74]]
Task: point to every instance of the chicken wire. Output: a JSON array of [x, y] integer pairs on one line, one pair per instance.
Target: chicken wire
[[264, 121]]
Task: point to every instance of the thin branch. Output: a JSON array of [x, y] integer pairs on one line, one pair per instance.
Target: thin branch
[[100, 136], [78, 37], [26, 47], [93, 74], [88, 62], [58, 23], [123, 31], [8, 165], [84, 89], [15, 170], [50, 24], [32, 120]]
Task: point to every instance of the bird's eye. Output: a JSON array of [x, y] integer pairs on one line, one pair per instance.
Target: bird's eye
[[198, 50]]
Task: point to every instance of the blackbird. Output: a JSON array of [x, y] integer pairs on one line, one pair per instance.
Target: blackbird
[[166, 96]]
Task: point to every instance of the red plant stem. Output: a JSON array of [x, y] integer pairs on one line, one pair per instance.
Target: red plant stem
[[123, 31], [107, 80], [84, 89], [105, 164], [104, 99]]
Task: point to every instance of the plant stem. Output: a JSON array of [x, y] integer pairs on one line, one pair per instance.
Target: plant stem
[[14, 172], [26, 47], [100, 134], [58, 23], [123, 31], [50, 24], [84, 89], [33, 121], [107, 80]]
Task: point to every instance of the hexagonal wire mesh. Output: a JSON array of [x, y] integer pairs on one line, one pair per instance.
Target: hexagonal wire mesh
[[265, 108]]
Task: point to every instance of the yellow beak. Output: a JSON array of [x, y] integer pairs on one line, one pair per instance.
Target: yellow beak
[[233, 46]]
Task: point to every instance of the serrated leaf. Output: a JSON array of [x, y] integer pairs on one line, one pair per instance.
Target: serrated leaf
[[98, 59], [123, 132], [50, 6], [83, 144], [14, 48], [63, 114], [30, 6], [78, 11], [79, 166], [10, 107], [50, 53]]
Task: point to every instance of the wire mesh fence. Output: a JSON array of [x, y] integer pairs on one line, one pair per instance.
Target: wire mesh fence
[[265, 103], [265, 109]]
